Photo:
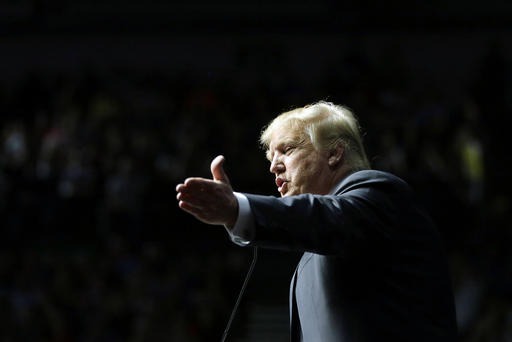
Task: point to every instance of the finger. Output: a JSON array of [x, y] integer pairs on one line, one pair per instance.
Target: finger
[[195, 199], [189, 187], [188, 208], [205, 188], [196, 182], [190, 184], [192, 210], [217, 170]]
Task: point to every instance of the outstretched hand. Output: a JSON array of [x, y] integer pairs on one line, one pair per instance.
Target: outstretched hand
[[210, 200]]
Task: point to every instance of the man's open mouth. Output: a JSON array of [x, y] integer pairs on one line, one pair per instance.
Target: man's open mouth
[[281, 184]]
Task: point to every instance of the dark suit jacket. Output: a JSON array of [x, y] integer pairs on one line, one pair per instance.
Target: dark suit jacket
[[373, 268]]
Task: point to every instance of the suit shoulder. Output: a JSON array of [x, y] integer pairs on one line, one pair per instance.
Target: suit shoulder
[[372, 179]]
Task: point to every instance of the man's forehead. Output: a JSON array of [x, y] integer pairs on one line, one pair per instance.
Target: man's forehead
[[283, 136], [280, 137]]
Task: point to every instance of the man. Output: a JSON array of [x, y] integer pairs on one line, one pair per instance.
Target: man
[[373, 267]]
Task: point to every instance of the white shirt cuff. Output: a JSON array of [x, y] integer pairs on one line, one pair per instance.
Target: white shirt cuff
[[243, 231]]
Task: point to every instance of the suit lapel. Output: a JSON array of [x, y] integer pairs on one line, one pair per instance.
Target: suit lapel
[[295, 329], [295, 325]]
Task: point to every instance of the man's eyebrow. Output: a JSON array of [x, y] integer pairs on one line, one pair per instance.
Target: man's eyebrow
[[270, 151], [288, 141], [294, 142]]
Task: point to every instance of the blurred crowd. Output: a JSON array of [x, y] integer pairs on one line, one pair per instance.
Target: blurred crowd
[[93, 247]]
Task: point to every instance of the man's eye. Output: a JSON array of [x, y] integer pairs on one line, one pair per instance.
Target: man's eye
[[288, 149]]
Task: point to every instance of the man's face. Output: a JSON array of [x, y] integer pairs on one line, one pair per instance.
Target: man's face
[[299, 168]]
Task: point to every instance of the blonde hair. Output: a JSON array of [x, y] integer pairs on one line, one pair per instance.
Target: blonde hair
[[327, 125]]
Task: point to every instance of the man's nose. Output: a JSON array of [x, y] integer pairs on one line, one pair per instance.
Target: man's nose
[[276, 165]]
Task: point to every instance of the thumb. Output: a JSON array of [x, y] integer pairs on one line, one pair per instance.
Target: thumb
[[217, 170]]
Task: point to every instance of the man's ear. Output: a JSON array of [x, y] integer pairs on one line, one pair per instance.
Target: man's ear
[[336, 155]]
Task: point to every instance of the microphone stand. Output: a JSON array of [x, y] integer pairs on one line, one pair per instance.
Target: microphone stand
[[249, 273]]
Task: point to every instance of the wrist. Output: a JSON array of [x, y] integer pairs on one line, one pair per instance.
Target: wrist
[[234, 216]]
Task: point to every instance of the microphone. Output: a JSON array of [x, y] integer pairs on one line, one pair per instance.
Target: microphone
[[242, 290]]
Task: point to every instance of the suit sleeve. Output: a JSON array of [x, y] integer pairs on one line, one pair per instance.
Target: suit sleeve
[[358, 219], [243, 231]]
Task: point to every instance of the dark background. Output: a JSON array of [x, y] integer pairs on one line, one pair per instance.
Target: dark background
[[107, 105]]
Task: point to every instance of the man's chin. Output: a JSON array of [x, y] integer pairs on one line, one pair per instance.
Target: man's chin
[[287, 193]]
